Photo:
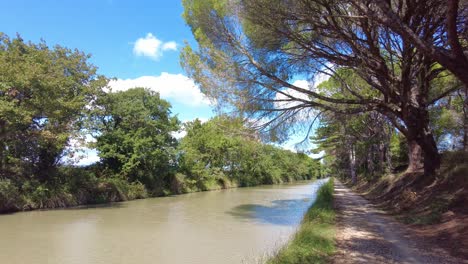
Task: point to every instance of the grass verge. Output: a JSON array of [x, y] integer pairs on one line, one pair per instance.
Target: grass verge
[[314, 241]]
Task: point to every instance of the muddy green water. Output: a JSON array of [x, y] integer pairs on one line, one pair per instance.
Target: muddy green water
[[229, 226]]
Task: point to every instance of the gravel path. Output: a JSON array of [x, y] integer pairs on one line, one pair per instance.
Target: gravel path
[[366, 235]]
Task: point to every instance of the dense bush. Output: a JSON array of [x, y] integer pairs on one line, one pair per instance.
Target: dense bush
[[10, 198], [78, 186]]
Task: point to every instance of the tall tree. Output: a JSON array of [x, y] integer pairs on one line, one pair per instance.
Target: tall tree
[[134, 136], [448, 44], [361, 143], [252, 51], [43, 96]]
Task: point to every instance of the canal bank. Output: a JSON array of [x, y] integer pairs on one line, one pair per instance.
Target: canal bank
[[314, 240]]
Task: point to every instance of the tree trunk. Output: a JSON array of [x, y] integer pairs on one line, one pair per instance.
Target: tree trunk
[[352, 164], [465, 120], [370, 161], [431, 154], [388, 157], [415, 156], [384, 159], [3, 148], [423, 153]]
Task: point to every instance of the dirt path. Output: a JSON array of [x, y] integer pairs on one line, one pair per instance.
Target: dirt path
[[366, 235]]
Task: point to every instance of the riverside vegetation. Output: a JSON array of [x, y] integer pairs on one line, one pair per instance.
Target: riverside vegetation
[[314, 240], [52, 99]]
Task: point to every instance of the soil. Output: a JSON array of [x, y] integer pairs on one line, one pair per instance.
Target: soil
[[367, 234]]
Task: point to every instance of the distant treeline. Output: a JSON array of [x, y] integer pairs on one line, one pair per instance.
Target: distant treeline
[[52, 98]]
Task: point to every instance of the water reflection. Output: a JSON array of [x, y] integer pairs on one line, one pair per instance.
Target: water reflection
[[284, 212], [280, 212], [98, 206]]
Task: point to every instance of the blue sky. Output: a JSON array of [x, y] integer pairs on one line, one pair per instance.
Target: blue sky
[[137, 42], [106, 29], [109, 30]]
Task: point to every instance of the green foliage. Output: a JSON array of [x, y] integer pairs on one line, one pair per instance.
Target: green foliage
[[180, 184], [314, 241], [223, 151], [447, 122], [436, 209], [78, 186], [10, 197], [43, 94], [135, 140], [364, 137], [399, 150], [114, 190]]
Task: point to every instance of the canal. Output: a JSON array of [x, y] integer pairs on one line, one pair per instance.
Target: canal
[[229, 226]]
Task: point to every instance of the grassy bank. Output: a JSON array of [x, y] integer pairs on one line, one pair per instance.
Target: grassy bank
[[313, 243], [78, 186], [73, 187]]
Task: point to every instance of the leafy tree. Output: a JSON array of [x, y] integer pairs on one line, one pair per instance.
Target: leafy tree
[[251, 51], [361, 143], [399, 150], [449, 116], [134, 137], [43, 97], [216, 144], [225, 148]]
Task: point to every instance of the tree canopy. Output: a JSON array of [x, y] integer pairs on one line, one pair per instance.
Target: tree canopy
[[44, 94], [251, 52], [225, 149], [134, 135]]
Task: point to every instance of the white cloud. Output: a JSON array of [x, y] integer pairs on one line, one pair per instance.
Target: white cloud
[[78, 151], [89, 157], [182, 133], [152, 47], [319, 78], [171, 45], [299, 83], [308, 112], [177, 87], [179, 134]]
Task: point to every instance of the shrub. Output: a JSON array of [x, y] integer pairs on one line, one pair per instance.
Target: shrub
[[136, 190], [116, 190], [40, 196], [10, 198]]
